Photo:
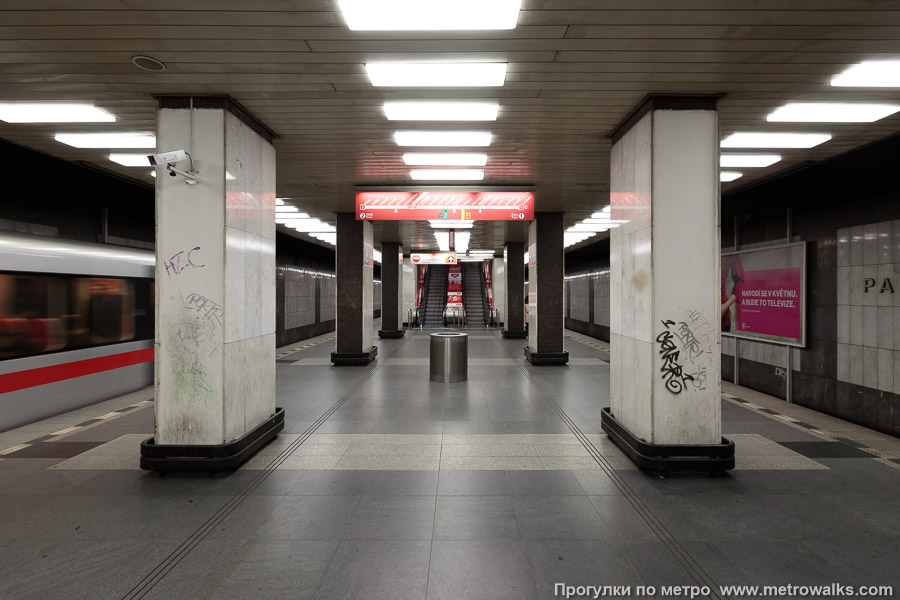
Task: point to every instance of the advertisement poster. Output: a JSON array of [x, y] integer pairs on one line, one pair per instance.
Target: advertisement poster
[[454, 286], [763, 294], [368, 255]]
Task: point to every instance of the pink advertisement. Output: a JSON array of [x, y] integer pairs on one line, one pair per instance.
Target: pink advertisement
[[763, 294]]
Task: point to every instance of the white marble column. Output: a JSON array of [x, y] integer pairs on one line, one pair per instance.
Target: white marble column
[[664, 272], [215, 275]]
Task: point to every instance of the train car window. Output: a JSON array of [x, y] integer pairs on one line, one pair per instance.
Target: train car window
[[49, 313], [32, 314]]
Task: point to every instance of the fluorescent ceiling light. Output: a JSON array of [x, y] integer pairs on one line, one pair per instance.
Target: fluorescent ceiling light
[[443, 240], [441, 111], [443, 138], [748, 160], [831, 112], [881, 73], [329, 238], [447, 224], [279, 202], [107, 140], [588, 227], [606, 221], [285, 208], [310, 226], [376, 254], [461, 241], [153, 173], [397, 15], [774, 140], [130, 160], [442, 74], [52, 112], [445, 159], [726, 176], [447, 174], [570, 239], [603, 214]]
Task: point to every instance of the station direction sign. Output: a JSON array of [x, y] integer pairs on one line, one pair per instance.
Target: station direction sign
[[451, 206], [435, 258]]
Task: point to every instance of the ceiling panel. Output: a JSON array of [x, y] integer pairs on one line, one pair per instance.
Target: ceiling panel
[[576, 68]]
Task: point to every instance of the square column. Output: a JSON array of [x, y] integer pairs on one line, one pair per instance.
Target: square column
[[355, 269], [514, 310], [546, 269], [664, 286], [391, 290], [215, 287]]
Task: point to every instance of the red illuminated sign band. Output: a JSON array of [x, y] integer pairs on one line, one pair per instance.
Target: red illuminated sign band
[[452, 206]]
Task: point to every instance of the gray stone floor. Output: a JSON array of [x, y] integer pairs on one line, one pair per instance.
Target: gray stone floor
[[412, 489]]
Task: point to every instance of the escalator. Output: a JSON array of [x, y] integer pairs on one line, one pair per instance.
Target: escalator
[[474, 294], [435, 296]]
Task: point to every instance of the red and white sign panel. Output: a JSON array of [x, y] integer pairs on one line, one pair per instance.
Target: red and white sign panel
[[452, 206], [437, 258]]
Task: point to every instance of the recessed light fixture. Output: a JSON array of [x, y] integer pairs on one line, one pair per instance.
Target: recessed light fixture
[[570, 239], [447, 224], [398, 15], [831, 112], [748, 160], [130, 160], [445, 159], [443, 240], [328, 238], [471, 74], [53, 112], [595, 227], [726, 176], [107, 140], [447, 174], [774, 140], [877, 73], [606, 221], [148, 63], [443, 138], [461, 241], [441, 111]]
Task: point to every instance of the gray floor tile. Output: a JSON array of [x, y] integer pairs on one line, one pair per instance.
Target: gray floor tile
[[379, 570], [331, 483], [544, 483], [559, 518], [392, 518], [578, 562], [475, 518], [473, 483], [493, 570], [401, 483], [308, 518]]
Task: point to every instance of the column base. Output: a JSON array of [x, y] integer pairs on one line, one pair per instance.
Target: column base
[[546, 358], [354, 358], [209, 458], [512, 334], [665, 458], [391, 334]]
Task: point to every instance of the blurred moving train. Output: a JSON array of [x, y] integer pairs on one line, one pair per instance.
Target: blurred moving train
[[76, 325]]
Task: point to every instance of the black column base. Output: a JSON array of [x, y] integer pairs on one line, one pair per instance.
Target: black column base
[[391, 334], [210, 458], [512, 334], [664, 458], [354, 358], [546, 358]]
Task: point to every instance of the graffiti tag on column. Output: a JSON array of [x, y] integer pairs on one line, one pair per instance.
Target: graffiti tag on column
[[673, 372], [181, 261], [209, 309]]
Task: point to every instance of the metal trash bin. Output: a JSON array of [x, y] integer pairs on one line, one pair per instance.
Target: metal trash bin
[[449, 357]]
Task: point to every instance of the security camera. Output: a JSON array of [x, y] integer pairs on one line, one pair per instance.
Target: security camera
[[166, 158], [169, 159]]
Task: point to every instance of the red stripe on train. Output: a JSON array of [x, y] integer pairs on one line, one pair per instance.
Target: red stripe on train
[[44, 375]]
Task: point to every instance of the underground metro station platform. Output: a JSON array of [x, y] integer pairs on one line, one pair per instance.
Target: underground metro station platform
[[384, 484], [449, 299]]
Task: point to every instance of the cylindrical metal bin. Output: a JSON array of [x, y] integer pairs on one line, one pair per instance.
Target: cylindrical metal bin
[[449, 357]]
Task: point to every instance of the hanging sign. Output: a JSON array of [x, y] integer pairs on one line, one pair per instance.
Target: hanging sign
[[450, 206], [436, 258]]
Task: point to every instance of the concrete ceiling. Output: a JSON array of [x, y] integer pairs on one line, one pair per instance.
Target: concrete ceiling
[[576, 68]]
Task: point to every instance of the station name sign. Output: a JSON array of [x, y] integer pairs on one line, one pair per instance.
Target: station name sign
[[451, 206]]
